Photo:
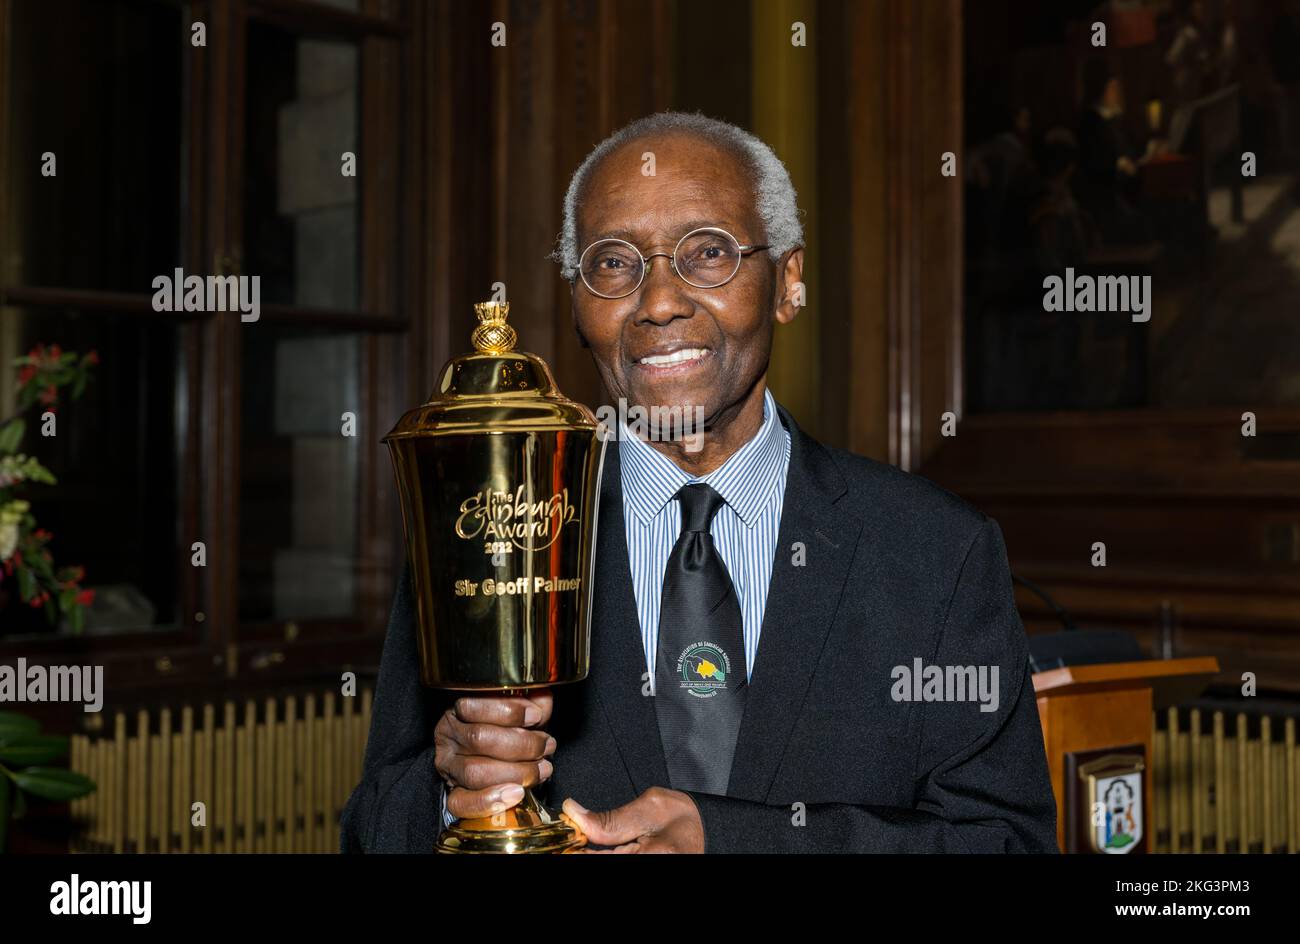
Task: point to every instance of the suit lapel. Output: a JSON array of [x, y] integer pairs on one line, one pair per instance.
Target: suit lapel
[[801, 606], [617, 659]]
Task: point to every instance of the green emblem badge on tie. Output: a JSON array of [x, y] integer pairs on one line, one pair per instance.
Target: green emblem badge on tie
[[704, 668]]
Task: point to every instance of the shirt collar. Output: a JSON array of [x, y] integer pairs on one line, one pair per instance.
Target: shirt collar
[[747, 481]]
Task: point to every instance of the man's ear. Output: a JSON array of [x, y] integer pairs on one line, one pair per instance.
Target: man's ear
[[790, 290]]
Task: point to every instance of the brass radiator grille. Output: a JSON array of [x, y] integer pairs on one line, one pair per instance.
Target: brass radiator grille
[[1224, 782], [273, 775]]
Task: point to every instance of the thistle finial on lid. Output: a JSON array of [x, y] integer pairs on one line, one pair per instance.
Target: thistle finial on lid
[[493, 335]]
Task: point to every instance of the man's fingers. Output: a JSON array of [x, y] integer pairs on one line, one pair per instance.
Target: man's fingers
[[611, 827], [512, 711], [472, 804], [490, 740], [543, 701], [477, 773], [480, 755]]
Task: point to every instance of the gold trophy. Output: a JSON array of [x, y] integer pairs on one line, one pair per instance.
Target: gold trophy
[[499, 477]]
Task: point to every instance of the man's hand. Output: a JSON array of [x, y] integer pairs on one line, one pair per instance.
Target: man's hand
[[659, 820], [489, 747]]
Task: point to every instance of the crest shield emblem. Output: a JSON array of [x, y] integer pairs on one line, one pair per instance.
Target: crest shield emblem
[[1113, 788]]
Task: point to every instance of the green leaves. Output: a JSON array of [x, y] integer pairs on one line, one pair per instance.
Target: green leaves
[[14, 726], [5, 792], [26, 583], [23, 746], [11, 435], [19, 467], [53, 783], [31, 751], [40, 565]]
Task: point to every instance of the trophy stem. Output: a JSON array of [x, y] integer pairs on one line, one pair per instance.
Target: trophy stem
[[530, 806]]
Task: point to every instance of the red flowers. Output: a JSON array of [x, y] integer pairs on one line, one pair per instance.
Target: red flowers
[[42, 376]]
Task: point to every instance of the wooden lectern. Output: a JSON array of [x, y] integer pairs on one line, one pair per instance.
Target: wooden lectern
[[1097, 727]]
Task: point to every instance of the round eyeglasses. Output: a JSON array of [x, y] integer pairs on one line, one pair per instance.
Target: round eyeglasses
[[705, 258]]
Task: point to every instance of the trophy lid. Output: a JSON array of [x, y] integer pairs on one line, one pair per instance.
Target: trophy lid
[[493, 388]]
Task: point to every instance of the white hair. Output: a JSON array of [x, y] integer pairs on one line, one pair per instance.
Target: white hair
[[774, 194]]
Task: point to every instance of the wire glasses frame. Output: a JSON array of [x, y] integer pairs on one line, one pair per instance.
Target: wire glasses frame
[[674, 262]]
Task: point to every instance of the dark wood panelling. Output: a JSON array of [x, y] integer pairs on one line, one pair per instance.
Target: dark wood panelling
[[1191, 524], [866, 387], [570, 74]]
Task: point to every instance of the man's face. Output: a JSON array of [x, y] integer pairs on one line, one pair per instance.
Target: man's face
[[726, 332]]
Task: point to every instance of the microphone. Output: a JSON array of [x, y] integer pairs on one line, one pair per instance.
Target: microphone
[[1075, 646]]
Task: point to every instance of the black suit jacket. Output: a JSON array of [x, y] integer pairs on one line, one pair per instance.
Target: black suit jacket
[[874, 569]]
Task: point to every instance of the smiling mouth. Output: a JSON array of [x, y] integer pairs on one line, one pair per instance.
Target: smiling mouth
[[684, 356]]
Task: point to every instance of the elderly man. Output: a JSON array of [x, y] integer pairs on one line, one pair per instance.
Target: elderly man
[[793, 648]]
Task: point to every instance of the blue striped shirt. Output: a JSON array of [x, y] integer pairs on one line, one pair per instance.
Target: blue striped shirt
[[751, 482]]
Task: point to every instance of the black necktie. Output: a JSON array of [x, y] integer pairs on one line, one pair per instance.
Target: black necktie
[[700, 667]]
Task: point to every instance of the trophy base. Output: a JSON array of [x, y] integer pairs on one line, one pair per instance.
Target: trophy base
[[524, 829]]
